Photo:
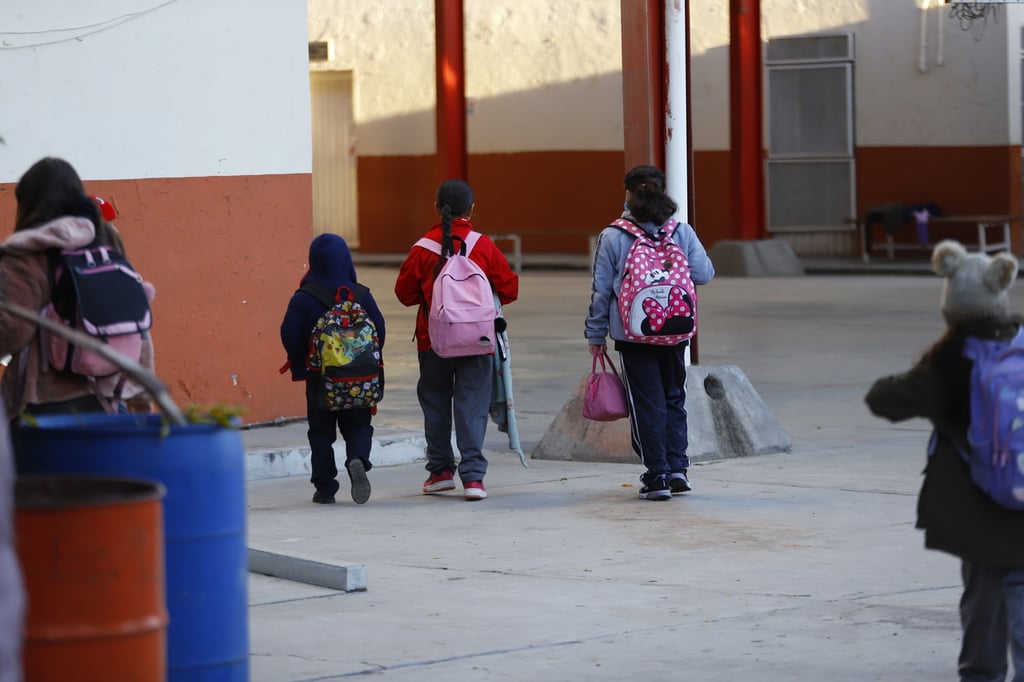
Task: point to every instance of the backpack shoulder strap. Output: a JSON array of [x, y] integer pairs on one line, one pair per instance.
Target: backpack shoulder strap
[[318, 291], [430, 245], [629, 227], [471, 239], [358, 291], [328, 298], [670, 228]]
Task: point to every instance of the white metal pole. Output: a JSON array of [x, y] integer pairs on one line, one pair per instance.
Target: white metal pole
[[676, 128], [677, 144]]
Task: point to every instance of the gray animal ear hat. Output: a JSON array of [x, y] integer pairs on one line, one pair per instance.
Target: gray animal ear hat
[[976, 285]]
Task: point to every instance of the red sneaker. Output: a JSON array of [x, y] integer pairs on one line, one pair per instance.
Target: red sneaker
[[439, 482], [475, 490]]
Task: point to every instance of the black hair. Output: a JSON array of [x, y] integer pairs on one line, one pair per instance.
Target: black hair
[[50, 189], [454, 200], [648, 202]]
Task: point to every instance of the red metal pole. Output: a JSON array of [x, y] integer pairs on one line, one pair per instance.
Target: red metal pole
[[643, 82], [451, 89], [745, 107]]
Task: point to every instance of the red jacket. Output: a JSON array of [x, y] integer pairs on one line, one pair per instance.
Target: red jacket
[[415, 283]]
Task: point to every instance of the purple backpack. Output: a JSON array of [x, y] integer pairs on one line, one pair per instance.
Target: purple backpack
[[996, 433]]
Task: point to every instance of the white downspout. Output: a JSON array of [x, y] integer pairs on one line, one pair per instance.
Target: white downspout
[[676, 143]]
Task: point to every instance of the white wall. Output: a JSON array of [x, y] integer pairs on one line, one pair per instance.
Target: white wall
[[540, 74], [151, 88]]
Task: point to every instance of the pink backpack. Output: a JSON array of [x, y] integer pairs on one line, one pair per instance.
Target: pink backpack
[[462, 312], [658, 299], [97, 292]]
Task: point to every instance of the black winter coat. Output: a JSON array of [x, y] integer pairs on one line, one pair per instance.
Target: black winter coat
[[957, 517]]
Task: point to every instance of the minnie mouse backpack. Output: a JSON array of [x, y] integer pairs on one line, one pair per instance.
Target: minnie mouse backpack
[[658, 299]]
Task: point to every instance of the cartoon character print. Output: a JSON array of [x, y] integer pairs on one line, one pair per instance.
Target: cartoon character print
[[657, 298], [662, 306], [344, 348]]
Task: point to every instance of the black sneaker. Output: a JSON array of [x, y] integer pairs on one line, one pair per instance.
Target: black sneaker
[[678, 483], [360, 483], [326, 495], [656, 488]]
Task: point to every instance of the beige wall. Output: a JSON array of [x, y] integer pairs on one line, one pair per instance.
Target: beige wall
[[540, 74], [543, 82]]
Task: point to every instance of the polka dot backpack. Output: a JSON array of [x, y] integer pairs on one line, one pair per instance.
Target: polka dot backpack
[[658, 300]]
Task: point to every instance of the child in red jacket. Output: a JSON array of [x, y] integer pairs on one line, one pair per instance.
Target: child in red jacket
[[456, 388]]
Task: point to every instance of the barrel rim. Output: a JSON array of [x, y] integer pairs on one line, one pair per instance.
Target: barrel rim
[[48, 491]]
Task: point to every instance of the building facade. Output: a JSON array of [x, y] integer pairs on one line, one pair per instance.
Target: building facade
[[866, 102], [193, 119]]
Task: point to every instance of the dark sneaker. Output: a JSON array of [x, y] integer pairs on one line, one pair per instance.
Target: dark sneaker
[[439, 482], [360, 483], [678, 483], [656, 488], [326, 495]]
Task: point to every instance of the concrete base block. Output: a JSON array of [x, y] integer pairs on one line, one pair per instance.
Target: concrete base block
[[399, 447], [725, 418], [764, 258], [345, 577]]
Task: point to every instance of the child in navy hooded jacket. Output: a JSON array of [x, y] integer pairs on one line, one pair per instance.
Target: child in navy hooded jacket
[[330, 266]]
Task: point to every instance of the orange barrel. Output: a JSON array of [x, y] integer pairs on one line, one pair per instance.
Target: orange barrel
[[92, 558]]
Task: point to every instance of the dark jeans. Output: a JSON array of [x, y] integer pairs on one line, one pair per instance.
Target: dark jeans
[[655, 378], [992, 615], [356, 430]]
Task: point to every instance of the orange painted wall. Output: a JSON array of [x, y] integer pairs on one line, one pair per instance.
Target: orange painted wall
[[554, 193], [225, 255], [961, 180], [565, 192], [549, 193]]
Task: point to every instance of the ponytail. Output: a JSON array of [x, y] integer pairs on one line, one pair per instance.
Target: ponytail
[[454, 200], [446, 237]]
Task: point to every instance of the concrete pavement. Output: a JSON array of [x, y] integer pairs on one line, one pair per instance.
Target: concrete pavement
[[799, 566]]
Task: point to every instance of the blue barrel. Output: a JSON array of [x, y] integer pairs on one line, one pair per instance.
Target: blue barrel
[[202, 467]]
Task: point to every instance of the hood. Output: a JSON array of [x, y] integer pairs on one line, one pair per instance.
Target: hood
[[63, 233], [330, 262]]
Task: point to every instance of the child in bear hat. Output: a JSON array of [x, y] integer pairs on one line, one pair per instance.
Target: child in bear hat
[[958, 517]]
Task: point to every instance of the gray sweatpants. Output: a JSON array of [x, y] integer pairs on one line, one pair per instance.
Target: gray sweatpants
[[456, 389]]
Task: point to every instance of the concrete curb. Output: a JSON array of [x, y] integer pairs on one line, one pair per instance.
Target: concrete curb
[[281, 461], [345, 577]]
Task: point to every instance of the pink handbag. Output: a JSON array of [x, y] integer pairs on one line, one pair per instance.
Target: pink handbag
[[604, 396]]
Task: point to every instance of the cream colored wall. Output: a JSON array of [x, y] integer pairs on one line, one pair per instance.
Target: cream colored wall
[[540, 74], [960, 102], [546, 74], [709, 73]]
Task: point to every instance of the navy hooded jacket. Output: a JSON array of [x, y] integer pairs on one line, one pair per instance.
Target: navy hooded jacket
[[330, 265]]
